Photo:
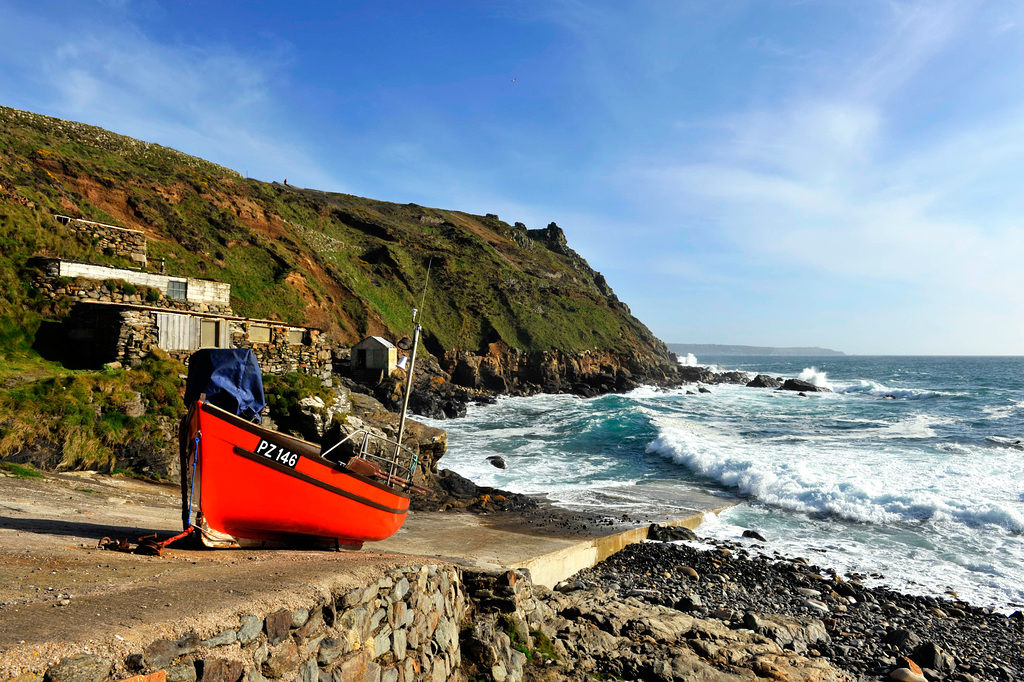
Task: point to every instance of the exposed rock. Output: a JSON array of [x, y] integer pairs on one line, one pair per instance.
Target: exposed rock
[[804, 386], [497, 461], [669, 533], [764, 381], [83, 668], [931, 655]]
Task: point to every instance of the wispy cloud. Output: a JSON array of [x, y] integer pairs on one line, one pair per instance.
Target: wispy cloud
[[818, 181], [209, 100]]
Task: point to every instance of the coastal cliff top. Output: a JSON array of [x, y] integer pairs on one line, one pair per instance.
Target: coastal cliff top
[[349, 265]]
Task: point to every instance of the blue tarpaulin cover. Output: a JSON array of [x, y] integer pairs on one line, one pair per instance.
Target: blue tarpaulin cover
[[230, 378]]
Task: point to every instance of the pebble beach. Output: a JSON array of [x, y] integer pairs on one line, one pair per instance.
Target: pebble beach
[[870, 633]]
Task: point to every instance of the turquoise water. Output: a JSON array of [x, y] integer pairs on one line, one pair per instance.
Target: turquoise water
[[913, 467]]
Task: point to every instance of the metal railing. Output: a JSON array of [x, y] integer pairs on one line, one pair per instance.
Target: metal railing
[[398, 467]]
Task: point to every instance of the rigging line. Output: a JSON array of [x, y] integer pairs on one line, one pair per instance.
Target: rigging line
[[423, 297]]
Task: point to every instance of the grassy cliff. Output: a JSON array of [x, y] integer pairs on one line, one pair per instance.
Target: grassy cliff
[[347, 264]]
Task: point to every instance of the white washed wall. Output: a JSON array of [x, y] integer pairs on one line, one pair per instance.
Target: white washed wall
[[199, 290]]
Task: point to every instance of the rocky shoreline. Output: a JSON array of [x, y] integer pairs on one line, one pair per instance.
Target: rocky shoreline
[[725, 611]]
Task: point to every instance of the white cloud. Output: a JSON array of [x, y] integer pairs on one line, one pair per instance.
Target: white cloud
[[210, 100]]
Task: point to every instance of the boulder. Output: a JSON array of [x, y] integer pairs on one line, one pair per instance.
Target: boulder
[[669, 533], [931, 655], [803, 386], [764, 381]]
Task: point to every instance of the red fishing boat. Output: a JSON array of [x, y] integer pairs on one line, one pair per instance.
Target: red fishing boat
[[246, 485]]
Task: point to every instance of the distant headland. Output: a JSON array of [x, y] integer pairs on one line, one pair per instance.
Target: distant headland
[[718, 349]]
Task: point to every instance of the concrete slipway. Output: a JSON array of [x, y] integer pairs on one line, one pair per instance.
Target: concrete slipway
[[61, 595]]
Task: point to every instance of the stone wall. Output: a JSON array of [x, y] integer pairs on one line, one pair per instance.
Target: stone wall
[[81, 289], [281, 355], [402, 628], [116, 241], [103, 334], [89, 281], [126, 334]]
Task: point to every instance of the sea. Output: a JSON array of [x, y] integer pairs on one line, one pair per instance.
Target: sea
[[911, 471]]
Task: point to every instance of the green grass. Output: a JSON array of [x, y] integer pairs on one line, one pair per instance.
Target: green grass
[[363, 264], [85, 412], [19, 471], [484, 287]]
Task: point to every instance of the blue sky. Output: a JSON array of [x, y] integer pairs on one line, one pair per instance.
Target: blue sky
[[769, 172]]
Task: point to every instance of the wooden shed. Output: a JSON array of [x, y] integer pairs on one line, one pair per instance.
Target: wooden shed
[[374, 355]]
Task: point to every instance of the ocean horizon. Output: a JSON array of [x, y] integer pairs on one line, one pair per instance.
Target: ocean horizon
[[909, 471]]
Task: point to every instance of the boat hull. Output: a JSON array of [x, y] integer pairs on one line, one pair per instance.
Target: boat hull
[[256, 484]]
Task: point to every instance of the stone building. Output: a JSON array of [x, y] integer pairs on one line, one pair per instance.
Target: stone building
[[91, 282], [121, 314], [104, 333]]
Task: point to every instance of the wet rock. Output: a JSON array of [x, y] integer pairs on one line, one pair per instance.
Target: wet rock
[[764, 381], [804, 386], [669, 533], [497, 461]]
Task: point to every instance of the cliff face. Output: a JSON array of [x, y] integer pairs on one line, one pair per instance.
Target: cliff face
[[511, 308]]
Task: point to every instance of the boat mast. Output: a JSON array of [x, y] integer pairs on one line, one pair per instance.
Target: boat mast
[[408, 379]]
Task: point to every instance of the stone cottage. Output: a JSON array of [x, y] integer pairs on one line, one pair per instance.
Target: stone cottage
[[114, 332], [121, 314]]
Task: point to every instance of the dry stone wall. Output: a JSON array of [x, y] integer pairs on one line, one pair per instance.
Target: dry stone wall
[[89, 282], [402, 628], [281, 355], [116, 241]]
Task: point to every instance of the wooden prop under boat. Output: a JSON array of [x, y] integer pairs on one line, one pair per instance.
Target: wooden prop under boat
[[255, 486]]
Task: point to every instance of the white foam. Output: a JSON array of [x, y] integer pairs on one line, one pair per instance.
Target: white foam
[[983, 569], [879, 390], [830, 478], [1014, 409], [813, 376], [689, 361]]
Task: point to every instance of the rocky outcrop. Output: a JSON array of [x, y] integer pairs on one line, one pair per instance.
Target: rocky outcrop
[[764, 381], [803, 386], [586, 373], [592, 633], [449, 490]]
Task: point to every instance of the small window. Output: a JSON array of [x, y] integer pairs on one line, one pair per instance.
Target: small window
[[259, 333], [295, 336], [208, 333], [177, 289]]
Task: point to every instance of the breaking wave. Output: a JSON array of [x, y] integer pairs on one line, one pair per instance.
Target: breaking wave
[[831, 480], [876, 389], [813, 376]]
